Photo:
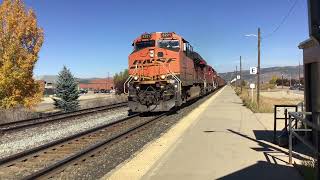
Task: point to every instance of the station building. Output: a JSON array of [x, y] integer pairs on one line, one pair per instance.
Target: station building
[[97, 84]]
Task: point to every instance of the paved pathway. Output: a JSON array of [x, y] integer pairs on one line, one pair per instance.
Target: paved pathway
[[219, 140]]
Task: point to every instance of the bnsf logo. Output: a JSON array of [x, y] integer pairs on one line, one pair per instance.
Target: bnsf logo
[[150, 61]]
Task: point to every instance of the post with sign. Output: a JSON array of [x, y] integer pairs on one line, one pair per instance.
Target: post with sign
[[236, 77], [252, 86], [240, 75], [253, 71]]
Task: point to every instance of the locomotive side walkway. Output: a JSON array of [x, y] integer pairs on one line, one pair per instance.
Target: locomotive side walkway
[[221, 139]]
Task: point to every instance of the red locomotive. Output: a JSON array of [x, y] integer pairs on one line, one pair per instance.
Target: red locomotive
[[165, 71]]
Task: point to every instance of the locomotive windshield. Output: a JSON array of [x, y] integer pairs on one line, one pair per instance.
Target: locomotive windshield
[[144, 44], [169, 44]]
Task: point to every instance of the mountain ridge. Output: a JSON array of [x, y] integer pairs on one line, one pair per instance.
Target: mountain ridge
[[267, 73]]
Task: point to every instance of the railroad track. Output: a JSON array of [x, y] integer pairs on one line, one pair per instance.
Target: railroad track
[[55, 117], [48, 159]]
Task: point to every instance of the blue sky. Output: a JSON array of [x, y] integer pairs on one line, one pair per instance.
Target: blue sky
[[94, 37]]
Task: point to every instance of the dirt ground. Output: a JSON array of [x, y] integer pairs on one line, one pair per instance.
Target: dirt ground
[[82, 97], [86, 101], [270, 98], [280, 94]]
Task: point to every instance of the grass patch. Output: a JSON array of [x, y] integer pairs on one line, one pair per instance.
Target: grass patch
[[266, 103], [90, 103], [21, 113], [267, 86], [16, 114]]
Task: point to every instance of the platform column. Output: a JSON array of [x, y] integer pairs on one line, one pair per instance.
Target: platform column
[[311, 64]]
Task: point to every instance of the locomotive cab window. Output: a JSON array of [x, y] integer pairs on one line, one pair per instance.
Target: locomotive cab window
[[169, 44], [188, 49], [144, 44]]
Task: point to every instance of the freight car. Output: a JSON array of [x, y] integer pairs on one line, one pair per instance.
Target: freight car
[[220, 82], [165, 71]]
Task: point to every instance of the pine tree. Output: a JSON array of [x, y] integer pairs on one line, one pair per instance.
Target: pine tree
[[66, 91]]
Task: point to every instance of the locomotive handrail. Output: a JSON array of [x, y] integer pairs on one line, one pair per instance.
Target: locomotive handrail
[[175, 77], [129, 80], [125, 84]]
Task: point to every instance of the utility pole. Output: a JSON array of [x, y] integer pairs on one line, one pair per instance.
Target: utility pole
[[258, 79], [108, 82], [240, 75]]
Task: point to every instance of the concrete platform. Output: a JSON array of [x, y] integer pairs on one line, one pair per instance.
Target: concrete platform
[[221, 139]]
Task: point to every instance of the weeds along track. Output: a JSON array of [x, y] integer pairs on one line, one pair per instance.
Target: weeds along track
[[51, 157], [56, 117]]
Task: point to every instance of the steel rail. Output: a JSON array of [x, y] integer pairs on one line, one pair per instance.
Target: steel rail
[[55, 117], [62, 140], [58, 165], [65, 162]]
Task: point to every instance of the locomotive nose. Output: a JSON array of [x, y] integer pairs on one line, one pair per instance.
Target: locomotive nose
[[145, 52]]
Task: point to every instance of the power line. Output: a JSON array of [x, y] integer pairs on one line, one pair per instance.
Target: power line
[[283, 20]]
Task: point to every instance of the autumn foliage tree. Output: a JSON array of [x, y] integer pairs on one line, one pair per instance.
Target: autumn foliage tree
[[20, 43]]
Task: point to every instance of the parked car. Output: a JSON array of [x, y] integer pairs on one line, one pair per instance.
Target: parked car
[[293, 88], [83, 91]]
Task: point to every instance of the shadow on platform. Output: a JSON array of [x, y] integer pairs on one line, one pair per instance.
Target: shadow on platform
[[267, 135], [268, 149], [263, 171]]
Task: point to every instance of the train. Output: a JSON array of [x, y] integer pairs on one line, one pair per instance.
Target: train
[[166, 72]]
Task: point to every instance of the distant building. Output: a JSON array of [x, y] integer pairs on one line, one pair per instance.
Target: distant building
[[49, 83], [98, 84]]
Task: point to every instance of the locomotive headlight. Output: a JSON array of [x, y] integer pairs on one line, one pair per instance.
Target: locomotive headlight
[[163, 76], [136, 78], [175, 86], [151, 53]]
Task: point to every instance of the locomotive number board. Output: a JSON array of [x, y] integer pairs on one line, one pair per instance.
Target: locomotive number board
[[166, 35], [146, 36]]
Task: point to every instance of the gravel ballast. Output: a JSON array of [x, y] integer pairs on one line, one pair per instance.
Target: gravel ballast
[[111, 156], [14, 142]]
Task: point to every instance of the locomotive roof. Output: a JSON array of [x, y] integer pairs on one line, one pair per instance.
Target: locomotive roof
[[155, 35]]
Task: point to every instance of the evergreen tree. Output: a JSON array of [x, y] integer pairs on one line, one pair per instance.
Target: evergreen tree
[[119, 79], [66, 91]]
